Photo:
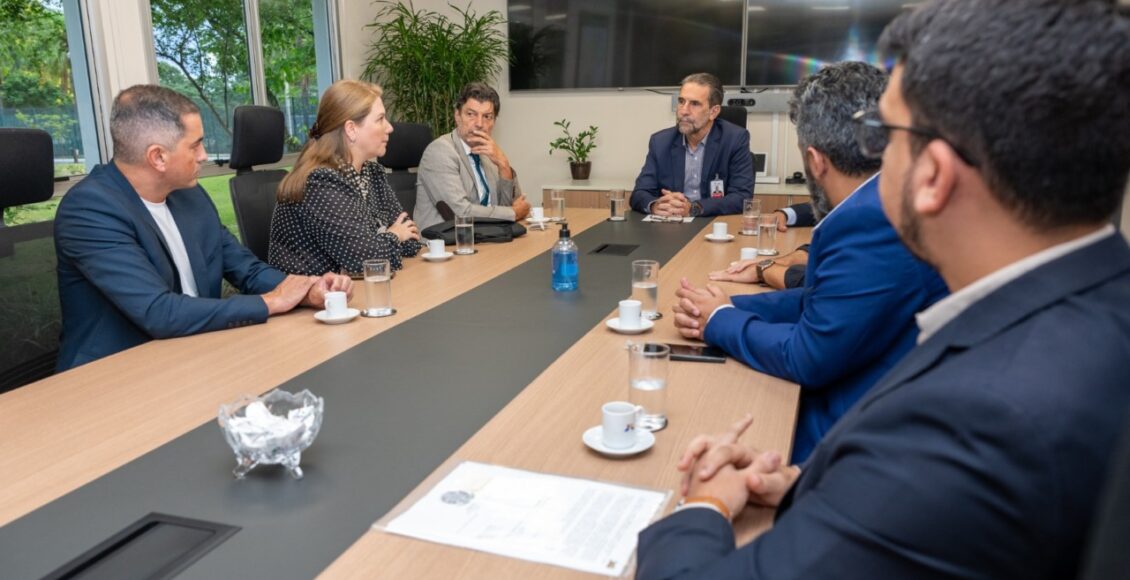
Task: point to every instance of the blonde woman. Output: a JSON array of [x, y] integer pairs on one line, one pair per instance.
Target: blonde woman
[[336, 209]]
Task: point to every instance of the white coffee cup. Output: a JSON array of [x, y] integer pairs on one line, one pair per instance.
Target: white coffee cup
[[749, 254], [630, 314], [336, 304], [435, 248], [537, 213], [618, 424], [719, 229]]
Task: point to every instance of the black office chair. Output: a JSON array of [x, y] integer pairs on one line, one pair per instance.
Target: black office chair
[[735, 115], [405, 148], [29, 292], [258, 135]]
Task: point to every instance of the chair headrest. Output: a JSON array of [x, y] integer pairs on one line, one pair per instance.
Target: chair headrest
[[406, 145], [27, 166], [258, 134], [735, 115]]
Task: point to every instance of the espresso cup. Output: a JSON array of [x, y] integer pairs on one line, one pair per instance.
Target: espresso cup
[[719, 229], [537, 213], [435, 248], [749, 254], [618, 424], [336, 304], [630, 314]]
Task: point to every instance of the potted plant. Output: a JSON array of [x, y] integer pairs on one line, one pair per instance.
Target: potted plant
[[577, 147], [421, 59]]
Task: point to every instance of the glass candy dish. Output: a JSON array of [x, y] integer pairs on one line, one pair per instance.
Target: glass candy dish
[[272, 429]]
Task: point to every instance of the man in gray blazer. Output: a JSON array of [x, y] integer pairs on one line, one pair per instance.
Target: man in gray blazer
[[466, 169]]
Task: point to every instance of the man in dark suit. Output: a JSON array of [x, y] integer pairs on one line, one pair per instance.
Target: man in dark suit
[[141, 250], [853, 319], [702, 165], [982, 453]]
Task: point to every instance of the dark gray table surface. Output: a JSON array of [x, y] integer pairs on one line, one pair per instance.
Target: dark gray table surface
[[393, 413]]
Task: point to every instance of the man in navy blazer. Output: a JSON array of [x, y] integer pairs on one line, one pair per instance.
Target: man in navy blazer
[[853, 318], [715, 152], [982, 453], [141, 250]]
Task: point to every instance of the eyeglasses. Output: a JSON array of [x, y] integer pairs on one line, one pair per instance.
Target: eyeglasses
[[872, 135]]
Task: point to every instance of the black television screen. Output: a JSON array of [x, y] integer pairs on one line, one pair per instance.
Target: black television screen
[[788, 39], [574, 44]]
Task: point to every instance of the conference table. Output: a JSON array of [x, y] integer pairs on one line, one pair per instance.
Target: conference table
[[483, 362]]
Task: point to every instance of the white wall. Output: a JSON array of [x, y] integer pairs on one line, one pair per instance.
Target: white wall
[[525, 125]]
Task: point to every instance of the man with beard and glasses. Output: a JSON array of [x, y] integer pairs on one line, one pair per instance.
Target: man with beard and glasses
[[702, 165], [1005, 142], [854, 318]]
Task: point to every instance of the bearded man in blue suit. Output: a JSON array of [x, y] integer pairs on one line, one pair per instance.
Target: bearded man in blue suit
[[853, 318], [141, 250], [1006, 149]]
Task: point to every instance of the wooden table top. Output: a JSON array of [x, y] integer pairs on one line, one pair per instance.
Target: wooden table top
[[62, 432], [540, 430]]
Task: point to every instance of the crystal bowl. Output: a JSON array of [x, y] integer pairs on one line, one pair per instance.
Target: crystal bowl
[[272, 429]]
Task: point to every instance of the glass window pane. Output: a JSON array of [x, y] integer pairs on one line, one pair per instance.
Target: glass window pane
[[201, 50], [287, 30], [36, 84]]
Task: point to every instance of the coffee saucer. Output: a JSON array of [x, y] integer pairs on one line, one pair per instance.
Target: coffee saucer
[[614, 324], [433, 258], [350, 314], [725, 238], [543, 220], [594, 439]]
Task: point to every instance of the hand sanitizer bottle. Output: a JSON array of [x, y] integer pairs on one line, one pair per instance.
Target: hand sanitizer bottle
[[565, 262]]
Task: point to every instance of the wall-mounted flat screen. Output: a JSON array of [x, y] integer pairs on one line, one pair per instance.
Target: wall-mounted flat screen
[[789, 39], [582, 44]]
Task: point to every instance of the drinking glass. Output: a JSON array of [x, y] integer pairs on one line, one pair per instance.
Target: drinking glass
[[767, 240], [464, 235], [645, 287], [557, 198], [751, 213], [617, 204], [647, 383], [378, 289]]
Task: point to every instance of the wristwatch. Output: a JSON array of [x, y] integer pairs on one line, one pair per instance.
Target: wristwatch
[[696, 209], [762, 266]]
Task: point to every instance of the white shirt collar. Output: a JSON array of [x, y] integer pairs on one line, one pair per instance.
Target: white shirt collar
[[931, 320], [838, 205]]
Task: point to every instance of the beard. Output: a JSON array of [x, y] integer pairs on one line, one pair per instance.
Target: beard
[[820, 203], [687, 126], [909, 227]]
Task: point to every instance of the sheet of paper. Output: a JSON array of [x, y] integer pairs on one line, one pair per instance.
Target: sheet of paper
[[575, 523], [659, 218]]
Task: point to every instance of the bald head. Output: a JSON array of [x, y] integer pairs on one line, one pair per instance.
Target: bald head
[[145, 115]]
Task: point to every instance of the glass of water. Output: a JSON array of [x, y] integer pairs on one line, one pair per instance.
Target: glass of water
[[647, 383], [751, 214], [378, 289], [645, 287], [557, 198], [617, 202], [464, 235], [767, 236]]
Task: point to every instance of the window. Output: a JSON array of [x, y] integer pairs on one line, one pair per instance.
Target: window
[[287, 32], [42, 68]]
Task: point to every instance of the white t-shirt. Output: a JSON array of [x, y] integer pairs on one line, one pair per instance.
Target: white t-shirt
[[171, 233]]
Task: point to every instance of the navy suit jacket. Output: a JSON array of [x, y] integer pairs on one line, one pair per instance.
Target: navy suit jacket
[[118, 284], [727, 156], [981, 455], [846, 327]]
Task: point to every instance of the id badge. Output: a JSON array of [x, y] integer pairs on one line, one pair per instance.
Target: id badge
[[717, 189]]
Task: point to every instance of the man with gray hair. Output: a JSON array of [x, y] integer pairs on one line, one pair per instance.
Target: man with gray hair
[[854, 317], [702, 165], [141, 250]]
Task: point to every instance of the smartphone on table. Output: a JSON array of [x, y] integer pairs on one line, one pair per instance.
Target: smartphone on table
[[692, 353]]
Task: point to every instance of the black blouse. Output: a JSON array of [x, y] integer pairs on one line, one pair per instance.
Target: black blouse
[[338, 223]]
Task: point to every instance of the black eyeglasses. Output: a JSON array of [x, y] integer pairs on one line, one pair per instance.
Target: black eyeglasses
[[873, 134]]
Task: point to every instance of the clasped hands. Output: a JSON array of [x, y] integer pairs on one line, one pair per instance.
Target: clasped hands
[[305, 290], [719, 467], [695, 306], [671, 203]]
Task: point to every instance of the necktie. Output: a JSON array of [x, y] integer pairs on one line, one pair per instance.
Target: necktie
[[485, 201]]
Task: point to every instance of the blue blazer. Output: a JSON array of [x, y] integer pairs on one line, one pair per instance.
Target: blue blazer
[[117, 282], [981, 455], [727, 156], [847, 326]]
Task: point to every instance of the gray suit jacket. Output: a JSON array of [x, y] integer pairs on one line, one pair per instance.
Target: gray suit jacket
[[446, 174]]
